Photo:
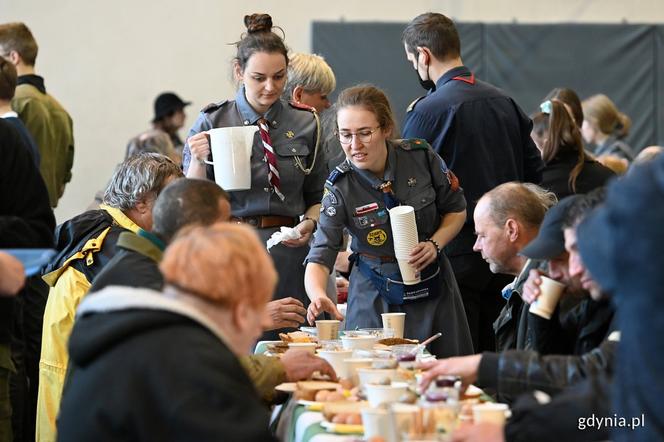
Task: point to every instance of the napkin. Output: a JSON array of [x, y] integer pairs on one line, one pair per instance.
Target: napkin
[[284, 234]]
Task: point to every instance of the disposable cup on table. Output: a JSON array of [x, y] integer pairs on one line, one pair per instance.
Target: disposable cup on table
[[550, 292], [328, 329], [231, 153], [377, 423], [395, 321], [336, 359], [490, 412]]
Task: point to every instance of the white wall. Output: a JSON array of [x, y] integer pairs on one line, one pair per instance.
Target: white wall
[[106, 61]]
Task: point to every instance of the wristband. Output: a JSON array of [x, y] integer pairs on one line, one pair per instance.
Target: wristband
[[435, 244]]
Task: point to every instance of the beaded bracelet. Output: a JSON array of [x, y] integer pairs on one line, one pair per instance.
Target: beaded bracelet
[[435, 244]]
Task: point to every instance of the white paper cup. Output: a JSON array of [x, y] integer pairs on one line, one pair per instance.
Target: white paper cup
[[328, 329], [394, 321], [336, 359], [352, 365], [375, 375], [231, 154], [409, 275], [376, 423], [304, 346], [385, 394], [488, 412], [550, 292], [404, 416]]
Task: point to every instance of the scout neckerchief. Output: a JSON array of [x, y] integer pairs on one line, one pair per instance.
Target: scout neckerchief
[[384, 185], [272, 171]]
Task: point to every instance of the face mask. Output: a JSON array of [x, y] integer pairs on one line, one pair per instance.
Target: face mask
[[429, 84]]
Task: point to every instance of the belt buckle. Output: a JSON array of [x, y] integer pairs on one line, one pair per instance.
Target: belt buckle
[[253, 221]]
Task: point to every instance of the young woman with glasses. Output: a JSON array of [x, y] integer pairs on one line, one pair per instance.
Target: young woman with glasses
[[380, 173]]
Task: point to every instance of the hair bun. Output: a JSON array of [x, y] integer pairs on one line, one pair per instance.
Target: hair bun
[[258, 23]]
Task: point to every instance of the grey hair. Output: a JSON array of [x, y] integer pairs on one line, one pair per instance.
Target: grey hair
[[139, 178], [311, 72], [525, 202]]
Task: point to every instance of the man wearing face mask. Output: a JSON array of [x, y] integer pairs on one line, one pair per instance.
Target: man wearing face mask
[[483, 136]]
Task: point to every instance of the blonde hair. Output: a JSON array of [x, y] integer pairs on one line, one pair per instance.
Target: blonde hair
[[615, 163], [311, 72], [603, 113], [224, 263]]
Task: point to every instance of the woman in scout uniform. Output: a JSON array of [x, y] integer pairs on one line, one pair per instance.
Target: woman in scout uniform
[[380, 173], [286, 174]]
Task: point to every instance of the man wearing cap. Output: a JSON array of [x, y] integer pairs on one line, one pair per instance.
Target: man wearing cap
[[169, 117], [506, 219]]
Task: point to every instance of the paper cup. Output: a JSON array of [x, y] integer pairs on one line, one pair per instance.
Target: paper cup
[[409, 275], [550, 292], [231, 154], [488, 412], [376, 423], [352, 365], [336, 359], [394, 321], [328, 329]]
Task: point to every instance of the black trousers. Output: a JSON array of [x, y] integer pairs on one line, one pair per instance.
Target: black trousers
[[481, 294]]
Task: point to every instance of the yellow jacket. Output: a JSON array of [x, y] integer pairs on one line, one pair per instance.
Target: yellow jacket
[[85, 244]]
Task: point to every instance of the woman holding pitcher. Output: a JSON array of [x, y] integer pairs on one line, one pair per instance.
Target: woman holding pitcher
[[287, 174], [381, 173]]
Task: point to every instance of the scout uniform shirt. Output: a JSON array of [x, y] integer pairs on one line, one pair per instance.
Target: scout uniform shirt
[[353, 200], [293, 134]]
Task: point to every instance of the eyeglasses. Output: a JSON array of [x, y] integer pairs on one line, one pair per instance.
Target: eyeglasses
[[364, 136]]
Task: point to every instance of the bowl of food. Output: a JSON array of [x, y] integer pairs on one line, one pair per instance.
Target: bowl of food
[[358, 342], [378, 394], [376, 375]]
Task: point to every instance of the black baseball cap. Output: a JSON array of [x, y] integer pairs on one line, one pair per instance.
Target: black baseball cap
[[166, 103], [550, 241]]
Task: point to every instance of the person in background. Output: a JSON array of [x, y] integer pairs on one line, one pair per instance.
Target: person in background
[[568, 169], [605, 127], [484, 138], [7, 90], [85, 244], [287, 165], [540, 128], [12, 280], [151, 365], [506, 219], [618, 165], [156, 141], [169, 117], [381, 173], [26, 221], [571, 99], [46, 119]]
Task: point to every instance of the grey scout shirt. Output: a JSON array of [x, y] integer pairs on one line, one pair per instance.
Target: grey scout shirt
[[353, 201], [293, 134]]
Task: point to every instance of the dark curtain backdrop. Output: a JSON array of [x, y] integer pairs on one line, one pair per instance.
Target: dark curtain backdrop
[[625, 62]]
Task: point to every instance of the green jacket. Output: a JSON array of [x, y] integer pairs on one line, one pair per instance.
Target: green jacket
[[52, 128]]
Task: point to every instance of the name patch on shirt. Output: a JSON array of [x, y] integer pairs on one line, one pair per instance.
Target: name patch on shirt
[[377, 237]]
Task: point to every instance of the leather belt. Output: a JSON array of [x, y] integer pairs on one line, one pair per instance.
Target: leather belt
[[265, 221], [378, 258]]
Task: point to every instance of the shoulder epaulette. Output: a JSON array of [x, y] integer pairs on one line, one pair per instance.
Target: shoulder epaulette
[[337, 172], [413, 144], [213, 106], [302, 106], [411, 106]]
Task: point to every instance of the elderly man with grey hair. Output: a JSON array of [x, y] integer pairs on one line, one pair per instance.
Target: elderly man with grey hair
[[85, 244]]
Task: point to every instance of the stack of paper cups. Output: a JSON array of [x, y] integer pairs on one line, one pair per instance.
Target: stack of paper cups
[[404, 233]]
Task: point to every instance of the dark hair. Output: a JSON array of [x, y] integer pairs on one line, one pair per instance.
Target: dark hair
[[563, 136], [17, 37], [186, 202], [582, 206], [570, 98], [372, 99], [7, 79], [258, 38], [435, 32]]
